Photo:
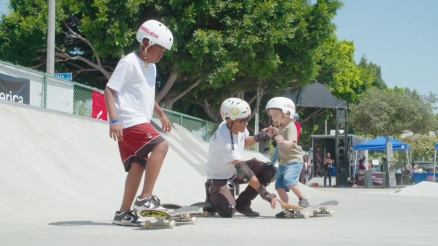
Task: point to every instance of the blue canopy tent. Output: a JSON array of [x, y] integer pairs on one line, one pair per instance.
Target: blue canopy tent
[[380, 144]]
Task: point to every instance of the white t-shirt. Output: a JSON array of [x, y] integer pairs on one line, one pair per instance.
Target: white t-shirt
[[221, 154], [135, 88]]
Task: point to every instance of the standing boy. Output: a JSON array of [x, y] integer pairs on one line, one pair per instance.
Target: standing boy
[[282, 110], [130, 99]]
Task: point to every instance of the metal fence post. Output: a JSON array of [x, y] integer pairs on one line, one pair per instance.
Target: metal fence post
[[45, 91], [206, 131]]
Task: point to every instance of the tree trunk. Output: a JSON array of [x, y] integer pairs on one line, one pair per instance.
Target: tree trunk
[[172, 98], [167, 86], [215, 117]]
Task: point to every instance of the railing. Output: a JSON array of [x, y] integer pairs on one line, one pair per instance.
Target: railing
[[47, 91]]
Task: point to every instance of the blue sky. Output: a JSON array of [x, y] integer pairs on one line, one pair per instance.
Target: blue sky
[[401, 36]]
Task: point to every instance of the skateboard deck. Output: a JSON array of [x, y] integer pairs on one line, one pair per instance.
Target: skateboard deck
[[198, 204], [180, 215], [177, 206], [323, 208], [294, 211]]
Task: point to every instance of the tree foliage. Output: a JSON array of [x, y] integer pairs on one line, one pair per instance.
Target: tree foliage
[[422, 145], [390, 112], [229, 46]]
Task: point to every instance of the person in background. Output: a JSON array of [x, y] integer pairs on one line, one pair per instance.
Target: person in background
[[328, 165], [362, 163], [306, 169], [297, 125], [317, 161], [266, 153]]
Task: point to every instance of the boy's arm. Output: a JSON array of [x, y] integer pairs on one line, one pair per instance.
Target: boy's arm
[[292, 139], [165, 123], [116, 131], [249, 141], [260, 136]]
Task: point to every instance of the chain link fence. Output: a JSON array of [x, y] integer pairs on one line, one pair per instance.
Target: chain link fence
[[47, 91]]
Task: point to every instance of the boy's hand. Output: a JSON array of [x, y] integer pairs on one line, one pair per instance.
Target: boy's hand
[[279, 139], [274, 202], [116, 132], [271, 131], [165, 123]]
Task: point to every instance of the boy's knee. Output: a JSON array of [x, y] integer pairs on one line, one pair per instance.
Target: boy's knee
[[163, 146], [225, 211]]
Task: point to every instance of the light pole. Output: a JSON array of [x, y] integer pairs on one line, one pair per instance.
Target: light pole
[[50, 65], [256, 126]]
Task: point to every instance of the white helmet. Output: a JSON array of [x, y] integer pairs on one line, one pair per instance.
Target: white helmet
[[156, 32], [283, 103], [235, 108]]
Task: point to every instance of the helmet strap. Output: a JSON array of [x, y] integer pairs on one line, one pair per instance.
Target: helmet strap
[[145, 57], [231, 133]]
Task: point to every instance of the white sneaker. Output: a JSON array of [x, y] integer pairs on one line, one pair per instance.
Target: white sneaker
[[151, 202], [127, 218]]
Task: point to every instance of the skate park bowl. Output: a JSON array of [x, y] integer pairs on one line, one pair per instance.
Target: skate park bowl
[[61, 181]]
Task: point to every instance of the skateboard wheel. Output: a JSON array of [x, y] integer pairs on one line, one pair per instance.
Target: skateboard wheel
[[315, 213], [187, 216], [205, 214], [193, 220], [332, 213], [171, 224], [147, 224], [288, 214], [306, 215]]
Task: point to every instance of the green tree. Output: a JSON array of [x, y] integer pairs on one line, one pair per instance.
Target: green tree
[[217, 44], [268, 45], [90, 36], [390, 112], [422, 145]]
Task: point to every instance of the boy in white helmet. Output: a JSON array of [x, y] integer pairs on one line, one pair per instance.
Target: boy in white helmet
[[225, 166], [282, 111], [130, 99]]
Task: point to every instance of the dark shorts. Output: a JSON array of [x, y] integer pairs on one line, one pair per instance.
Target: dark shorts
[[138, 142]]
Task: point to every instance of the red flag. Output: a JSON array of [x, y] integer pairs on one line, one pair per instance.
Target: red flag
[[99, 110]]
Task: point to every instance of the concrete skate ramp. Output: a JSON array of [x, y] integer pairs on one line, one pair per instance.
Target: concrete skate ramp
[[53, 160], [422, 189]]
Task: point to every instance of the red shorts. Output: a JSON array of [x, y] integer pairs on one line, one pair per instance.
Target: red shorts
[[138, 142]]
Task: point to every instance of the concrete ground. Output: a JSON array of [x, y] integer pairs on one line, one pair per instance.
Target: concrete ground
[[61, 181]]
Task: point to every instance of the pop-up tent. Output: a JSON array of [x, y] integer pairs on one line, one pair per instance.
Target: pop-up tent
[[380, 144]]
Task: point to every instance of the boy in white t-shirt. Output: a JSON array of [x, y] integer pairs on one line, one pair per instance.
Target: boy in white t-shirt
[[282, 110], [130, 99], [225, 165]]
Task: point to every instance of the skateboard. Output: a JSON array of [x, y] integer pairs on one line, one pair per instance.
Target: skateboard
[[198, 204], [323, 208], [294, 211], [176, 206], [180, 215]]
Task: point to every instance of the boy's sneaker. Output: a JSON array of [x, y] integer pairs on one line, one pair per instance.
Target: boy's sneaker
[[151, 202], [247, 210], [127, 218], [303, 202]]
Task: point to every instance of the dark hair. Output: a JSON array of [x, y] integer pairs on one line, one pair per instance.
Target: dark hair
[[266, 149]]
